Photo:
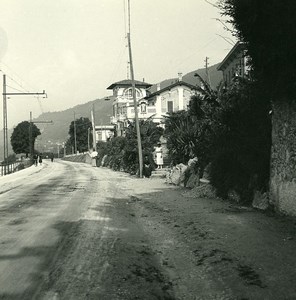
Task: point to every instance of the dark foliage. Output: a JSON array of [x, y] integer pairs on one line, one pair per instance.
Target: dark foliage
[[122, 152], [267, 27], [190, 133], [20, 139], [231, 130], [82, 125], [242, 141]]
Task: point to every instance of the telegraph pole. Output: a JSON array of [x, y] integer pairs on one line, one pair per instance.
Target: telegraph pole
[[93, 120], [75, 141], [5, 133], [31, 146], [88, 139], [134, 97], [207, 70]]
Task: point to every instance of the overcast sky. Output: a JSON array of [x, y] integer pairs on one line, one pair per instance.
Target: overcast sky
[[74, 49]]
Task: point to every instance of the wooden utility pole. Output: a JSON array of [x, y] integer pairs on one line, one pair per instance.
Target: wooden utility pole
[[134, 97], [207, 71], [31, 144], [88, 139], [93, 121], [75, 140], [5, 133]]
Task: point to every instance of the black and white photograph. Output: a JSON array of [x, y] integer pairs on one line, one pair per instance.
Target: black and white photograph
[[148, 150]]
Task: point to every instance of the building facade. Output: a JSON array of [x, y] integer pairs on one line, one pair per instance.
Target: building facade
[[104, 132], [235, 63], [123, 103], [172, 98], [154, 105]]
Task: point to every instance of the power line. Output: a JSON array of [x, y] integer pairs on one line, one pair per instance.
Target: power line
[[13, 88], [197, 51], [21, 85]]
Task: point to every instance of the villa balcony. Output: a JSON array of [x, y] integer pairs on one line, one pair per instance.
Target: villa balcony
[[118, 118], [150, 111]]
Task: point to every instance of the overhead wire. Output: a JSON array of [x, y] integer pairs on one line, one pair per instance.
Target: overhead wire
[[21, 85]]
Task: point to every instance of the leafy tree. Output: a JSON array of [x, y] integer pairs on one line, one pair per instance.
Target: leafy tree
[[82, 124], [267, 28], [228, 128], [122, 151], [190, 133], [20, 137], [150, 134], [241, 142], [181, 135]]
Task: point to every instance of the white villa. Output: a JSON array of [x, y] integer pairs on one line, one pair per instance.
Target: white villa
[[171, 98]]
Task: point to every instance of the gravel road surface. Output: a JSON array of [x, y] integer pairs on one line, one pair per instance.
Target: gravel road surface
[[72, 231]]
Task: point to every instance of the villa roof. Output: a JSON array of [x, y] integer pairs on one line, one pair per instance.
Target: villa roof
[[128, 82], [167, 88], [237, 48]]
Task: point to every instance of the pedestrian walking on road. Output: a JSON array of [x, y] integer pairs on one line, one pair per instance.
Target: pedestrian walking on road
[[40, 159], [35, 158]]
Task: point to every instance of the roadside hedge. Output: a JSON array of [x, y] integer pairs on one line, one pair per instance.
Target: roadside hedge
[[121, 152]]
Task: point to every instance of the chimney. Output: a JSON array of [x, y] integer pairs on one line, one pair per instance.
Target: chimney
[[180, 76], [158, 87]]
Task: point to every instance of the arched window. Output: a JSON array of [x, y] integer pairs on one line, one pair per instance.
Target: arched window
[[128, 93]]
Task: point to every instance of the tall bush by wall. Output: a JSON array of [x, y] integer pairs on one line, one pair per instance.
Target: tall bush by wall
[[121, 153], [231, 130]]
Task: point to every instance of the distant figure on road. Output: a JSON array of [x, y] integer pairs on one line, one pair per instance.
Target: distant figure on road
[[147, 168], [35, 158], [40, 159], [94, 155], [158, 156], [51, 157]]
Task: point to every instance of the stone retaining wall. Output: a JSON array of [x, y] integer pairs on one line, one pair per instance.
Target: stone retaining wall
[[283, 158]]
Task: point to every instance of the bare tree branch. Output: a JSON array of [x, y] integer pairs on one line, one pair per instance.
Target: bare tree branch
[[224, 25], [227, 39], [214, 5]]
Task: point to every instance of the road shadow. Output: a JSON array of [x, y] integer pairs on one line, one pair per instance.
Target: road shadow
[[109, 257]]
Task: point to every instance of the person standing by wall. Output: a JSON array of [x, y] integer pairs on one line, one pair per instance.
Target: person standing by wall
[[158, 155], [147, 167], [94, 155]]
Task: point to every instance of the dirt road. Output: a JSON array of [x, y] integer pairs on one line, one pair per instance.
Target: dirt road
[[72, 231]]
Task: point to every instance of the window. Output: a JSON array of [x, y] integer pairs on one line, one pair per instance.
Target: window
[[143, 107], [128, 93], [170, 106]]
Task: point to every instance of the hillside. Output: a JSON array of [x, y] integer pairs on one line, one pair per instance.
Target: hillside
[[214, 75], [57, 132]]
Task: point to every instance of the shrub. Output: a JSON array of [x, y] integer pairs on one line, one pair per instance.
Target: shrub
[[242, 141], [122, 151]]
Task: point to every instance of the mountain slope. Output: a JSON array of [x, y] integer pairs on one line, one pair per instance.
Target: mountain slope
[[57, 132], [214, 75]]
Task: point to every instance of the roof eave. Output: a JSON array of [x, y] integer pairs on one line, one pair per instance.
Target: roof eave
[[230, 53], [170, 87]]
